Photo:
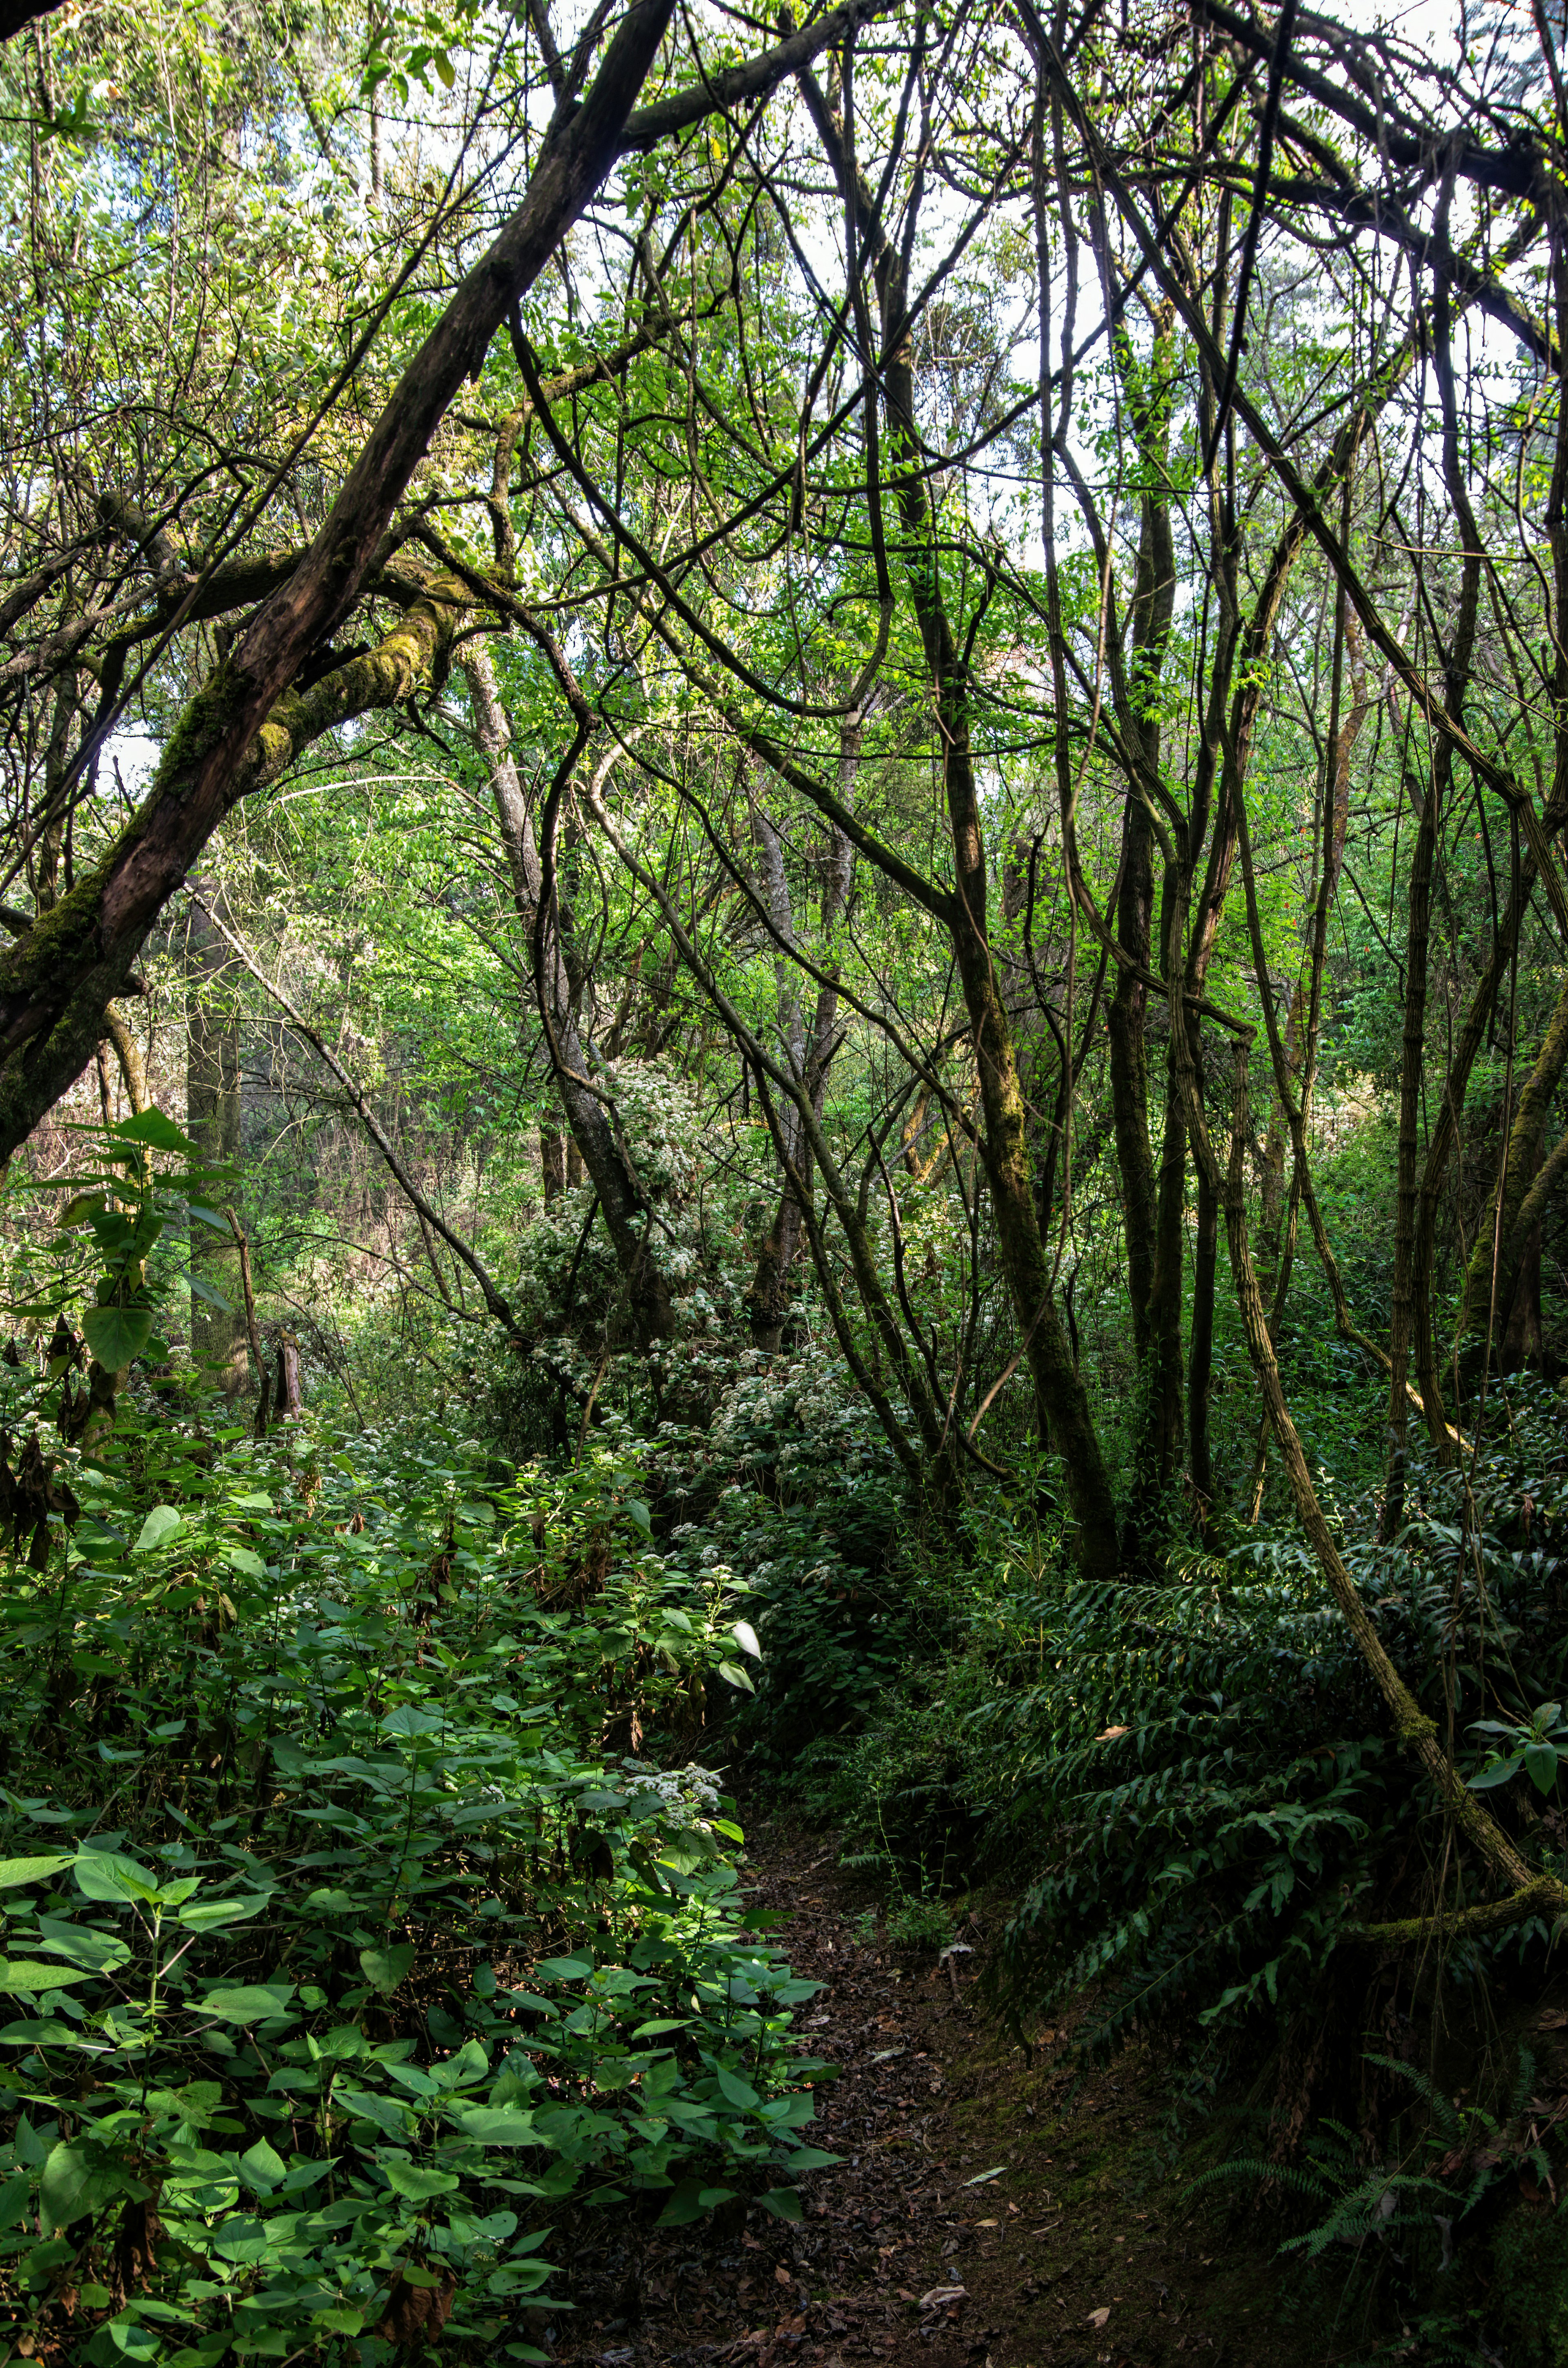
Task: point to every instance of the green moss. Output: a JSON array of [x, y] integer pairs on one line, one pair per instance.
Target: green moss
[[1529, 2294], [204, 718]]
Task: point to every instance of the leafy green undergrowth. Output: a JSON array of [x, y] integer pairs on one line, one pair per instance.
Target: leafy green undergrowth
[[347, 1933], [1190, 1781]]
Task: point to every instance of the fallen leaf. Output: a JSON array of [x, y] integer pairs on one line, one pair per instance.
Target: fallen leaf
[[1109, 1733], [1099, 2317], [982, 2178], [942, 2297], [782, 2277]]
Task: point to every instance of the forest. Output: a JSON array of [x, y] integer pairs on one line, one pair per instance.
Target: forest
[[783, 1183]]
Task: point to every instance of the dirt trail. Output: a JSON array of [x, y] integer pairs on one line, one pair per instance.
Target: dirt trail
[[1077, 2253]]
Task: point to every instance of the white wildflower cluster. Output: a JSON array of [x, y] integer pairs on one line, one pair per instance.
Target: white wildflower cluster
[[659, 1116], [805, 1409], [685, 1794]]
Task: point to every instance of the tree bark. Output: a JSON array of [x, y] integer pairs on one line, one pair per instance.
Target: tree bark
[[806, 1051], [553, 1164], [595, 1138], [1410, 1323], [1060, 1397], [212, 1122], [1516, 1248]]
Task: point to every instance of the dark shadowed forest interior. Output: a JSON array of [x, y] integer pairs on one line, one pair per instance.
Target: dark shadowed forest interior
[[784, 1183]]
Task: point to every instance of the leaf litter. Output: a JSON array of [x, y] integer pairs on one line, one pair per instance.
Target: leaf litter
[[891, 2259]]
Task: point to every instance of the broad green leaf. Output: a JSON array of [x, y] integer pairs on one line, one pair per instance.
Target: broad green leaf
[[684, 2206], [137, 2342], [739, 2092], [254, 2004], [77, 2179], [16, 1871], [161, 1524], [160, 1133], [783, 2202], [212, 1915], [102, 1874], [407, 1721], [115, 1335], [79, 1208], [21, 1977], [384, 1968], [406, 2179], [98, 1953], [496, 2124], [262, 2167], [240, 1558], [565, 1969], [736, 1675], [744, 1636]]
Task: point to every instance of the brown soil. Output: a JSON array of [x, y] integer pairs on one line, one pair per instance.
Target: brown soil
[[991, 2211]]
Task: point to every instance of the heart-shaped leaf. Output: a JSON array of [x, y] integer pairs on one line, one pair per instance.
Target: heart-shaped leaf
[[160, 1133], [384, 1968], [102, 1874], [115, 1335], [262, 2167], [408, 2179]]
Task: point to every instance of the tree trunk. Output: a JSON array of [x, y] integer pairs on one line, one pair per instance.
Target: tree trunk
[[553, 1164], [288, 1391], [806, 1052], [1060, 1399], [1200, 1351], [1411, 1325], [212, 1122], [595, 1143], [1516, 1249]]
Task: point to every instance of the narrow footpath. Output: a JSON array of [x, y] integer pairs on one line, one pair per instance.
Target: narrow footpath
[[991, 2209]]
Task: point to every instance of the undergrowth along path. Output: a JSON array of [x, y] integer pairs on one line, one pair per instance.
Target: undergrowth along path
[[988, 2208]]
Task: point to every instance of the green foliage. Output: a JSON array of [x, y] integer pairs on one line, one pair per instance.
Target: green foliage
[[1421, 2214], [343, 1943], [120, 1204], [1537, 1744], [1529, 2263]]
